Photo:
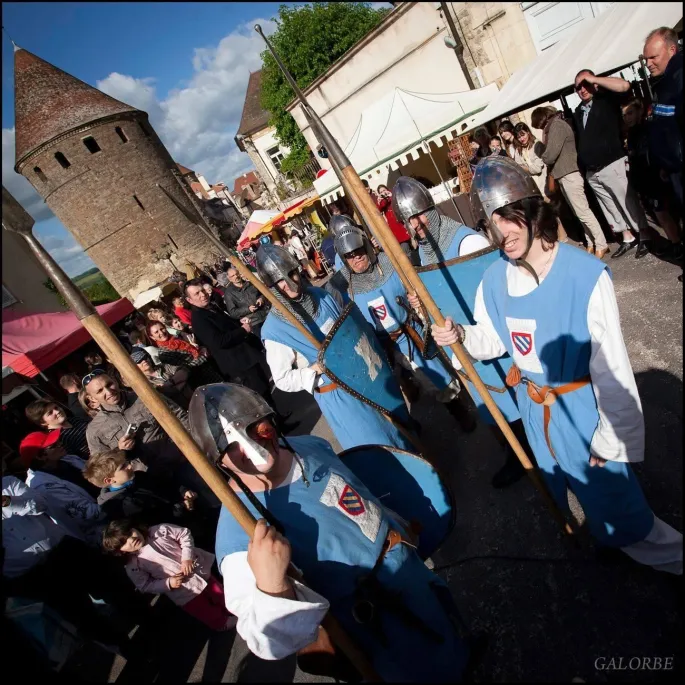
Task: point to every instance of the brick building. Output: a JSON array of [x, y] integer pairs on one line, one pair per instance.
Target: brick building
[[101, 168]]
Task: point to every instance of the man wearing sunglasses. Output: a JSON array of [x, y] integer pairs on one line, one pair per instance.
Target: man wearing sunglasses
[[601, 156], [110, 430]]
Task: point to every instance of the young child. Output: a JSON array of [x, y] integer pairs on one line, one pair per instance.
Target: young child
[[163, 559], [49, 415], [182, 331], [127, 491]]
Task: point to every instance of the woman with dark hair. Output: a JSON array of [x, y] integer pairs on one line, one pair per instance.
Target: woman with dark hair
[[480, 144], [553, 309], [384, 204], [526, 145], [506, 133], [559, 154]]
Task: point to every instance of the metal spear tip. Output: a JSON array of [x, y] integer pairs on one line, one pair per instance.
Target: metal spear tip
[[14, 217]]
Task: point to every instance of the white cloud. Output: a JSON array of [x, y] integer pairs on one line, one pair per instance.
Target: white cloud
[[22, 190], [197, 122]]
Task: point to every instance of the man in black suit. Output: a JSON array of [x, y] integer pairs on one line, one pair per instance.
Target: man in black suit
[[235, 349]]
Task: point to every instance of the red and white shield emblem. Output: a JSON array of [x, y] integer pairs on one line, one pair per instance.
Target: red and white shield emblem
[[523, 342], [380, 311], [351, 502]]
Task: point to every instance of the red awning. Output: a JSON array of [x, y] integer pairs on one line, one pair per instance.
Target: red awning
[[33, 342]]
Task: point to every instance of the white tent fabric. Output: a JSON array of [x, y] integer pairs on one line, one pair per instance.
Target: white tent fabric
[[605, 43], [392, 128]]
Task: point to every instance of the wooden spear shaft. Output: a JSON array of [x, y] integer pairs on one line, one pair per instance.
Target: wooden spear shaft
[[16, 219], [291, 318], [410, 279]]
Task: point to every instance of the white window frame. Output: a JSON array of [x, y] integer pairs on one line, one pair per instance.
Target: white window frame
[[276, 157]]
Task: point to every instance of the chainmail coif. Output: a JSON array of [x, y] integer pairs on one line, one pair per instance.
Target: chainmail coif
[[304, 308], [371, 279], [441, 232]]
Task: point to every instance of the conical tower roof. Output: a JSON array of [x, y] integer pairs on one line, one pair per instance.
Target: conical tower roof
[[49, 102]]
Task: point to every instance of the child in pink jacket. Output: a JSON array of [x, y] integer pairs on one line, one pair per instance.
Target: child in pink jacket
[[163, 559]]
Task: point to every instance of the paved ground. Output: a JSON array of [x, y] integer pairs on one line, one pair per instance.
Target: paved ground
[[548, 610]]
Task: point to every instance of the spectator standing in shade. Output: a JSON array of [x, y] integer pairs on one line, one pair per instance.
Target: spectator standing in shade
[[654, 191], [48, 415], [506, 134], [71, 383], [41, 560], [603, 159], [384, 204], [236, 351], [138, 341], [558, 152], [170, 380], [665, 64], [496, 147], [181, 311], [244, 302]]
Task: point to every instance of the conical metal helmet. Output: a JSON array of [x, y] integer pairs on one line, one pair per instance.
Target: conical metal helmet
[[352, 238], [220, 414], [275, 263], [409, 198], [340, 222], [498, 182]]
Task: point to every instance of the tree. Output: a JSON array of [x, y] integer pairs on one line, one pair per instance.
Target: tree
[[308, 39]]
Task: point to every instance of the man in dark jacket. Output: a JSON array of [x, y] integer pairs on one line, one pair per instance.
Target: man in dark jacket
[[602, 158], [244, 302], [237, 352], [665, 129]]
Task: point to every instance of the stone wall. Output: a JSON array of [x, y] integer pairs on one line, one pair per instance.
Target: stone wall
[[110, 202], [497, 46]]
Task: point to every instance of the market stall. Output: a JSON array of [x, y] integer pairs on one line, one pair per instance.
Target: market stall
[[32, 343], [395, 131]]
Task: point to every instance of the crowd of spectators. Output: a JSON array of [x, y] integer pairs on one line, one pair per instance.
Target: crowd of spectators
[[625, 151]]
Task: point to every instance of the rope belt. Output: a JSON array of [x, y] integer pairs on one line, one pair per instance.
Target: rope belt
[[545, 395], [326, 388]]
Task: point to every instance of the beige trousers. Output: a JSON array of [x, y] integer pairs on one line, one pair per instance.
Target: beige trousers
[[618, 199], [573, 188]]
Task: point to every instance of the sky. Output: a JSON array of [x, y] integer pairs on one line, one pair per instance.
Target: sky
[[185, 64]]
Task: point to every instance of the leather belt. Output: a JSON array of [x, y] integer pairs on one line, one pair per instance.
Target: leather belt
[[326, 388], [545, 395]]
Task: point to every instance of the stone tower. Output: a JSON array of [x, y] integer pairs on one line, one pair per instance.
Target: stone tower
[[104, 172]]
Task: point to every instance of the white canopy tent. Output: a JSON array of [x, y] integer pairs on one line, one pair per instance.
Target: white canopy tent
[[393, 128], [605, 44]]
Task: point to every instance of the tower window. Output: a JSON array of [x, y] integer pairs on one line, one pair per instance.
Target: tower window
[[63, 161], [140, 204], [144, 128], [91, 144], [39, 172], [121, 134]]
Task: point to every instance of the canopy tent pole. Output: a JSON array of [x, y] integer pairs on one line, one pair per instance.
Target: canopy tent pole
[[16, 219], [427, 147], [367, 208]]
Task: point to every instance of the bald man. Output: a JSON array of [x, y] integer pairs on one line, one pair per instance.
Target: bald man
[[665, 126]]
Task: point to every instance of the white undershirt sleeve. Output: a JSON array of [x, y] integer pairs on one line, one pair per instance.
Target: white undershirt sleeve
[[473, 243], [272, 627], [481, 341], [620, 433], [284, 362]]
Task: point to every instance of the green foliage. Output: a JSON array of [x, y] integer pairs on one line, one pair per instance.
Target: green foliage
[[98, 291], [309, 38]]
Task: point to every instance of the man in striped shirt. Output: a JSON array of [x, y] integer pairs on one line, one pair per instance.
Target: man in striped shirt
[[49, 415]]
